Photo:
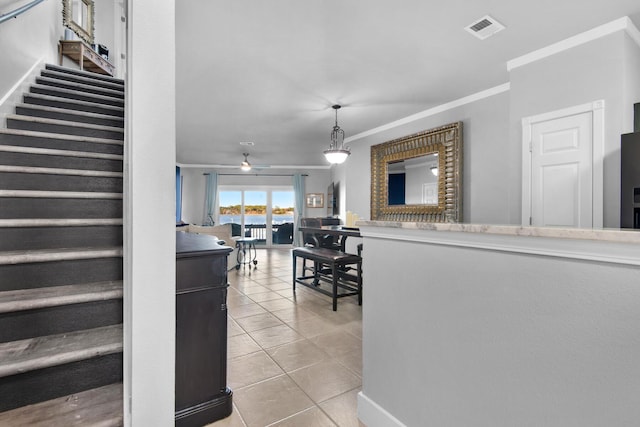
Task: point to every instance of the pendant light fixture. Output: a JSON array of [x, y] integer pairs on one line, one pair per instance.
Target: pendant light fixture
[[245, 165], [337, 152]]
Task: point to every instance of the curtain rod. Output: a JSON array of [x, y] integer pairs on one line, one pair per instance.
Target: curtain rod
[[255, 174]]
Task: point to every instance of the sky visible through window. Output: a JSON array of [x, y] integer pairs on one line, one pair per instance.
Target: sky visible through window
[[283, 199]]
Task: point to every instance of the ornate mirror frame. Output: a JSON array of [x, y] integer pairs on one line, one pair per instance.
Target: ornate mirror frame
[[87, 33], [447, 142]]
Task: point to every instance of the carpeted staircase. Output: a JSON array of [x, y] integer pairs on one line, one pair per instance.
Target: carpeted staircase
[[61, 252]]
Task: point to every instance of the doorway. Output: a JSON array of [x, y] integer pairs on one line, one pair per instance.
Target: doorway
[[562, 167]]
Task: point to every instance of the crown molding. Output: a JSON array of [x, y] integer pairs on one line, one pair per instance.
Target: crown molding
[[621, 24], [433, 111], [212, 166]]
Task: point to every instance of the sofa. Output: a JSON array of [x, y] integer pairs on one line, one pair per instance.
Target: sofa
[[222, 232]]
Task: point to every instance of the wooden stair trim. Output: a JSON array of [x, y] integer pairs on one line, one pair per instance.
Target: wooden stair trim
[[53, 296], [100, 406], [58, 122], [56, 152], [68, 111], [51, 255], [64, 91], [47, 194], [59, 171], [79, 102], [60, 136], [47, 81], [59, 222], [43, 352]]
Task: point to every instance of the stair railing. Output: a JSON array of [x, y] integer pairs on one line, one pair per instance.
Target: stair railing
[[18, 11]]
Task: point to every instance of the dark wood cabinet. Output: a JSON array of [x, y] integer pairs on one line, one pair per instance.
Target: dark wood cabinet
[[202, 396], [630, 181]]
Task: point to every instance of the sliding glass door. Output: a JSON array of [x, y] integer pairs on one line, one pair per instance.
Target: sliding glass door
[[282, 209], [265, 214]]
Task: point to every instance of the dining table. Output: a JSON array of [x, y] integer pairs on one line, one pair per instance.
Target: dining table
[[341, 231]]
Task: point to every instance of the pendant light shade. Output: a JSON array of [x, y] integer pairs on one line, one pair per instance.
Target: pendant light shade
[[245, 165], [337, 152]]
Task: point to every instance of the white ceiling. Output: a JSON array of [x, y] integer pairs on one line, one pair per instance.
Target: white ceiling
[[269, 71]]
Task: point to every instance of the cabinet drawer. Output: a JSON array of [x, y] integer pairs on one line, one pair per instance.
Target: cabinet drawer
[[201, 271]]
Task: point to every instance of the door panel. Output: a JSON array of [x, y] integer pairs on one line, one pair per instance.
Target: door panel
[[559, 186], [561, 171]]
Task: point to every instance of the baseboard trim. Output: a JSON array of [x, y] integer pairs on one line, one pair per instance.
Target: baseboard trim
[[374, 415], [206, 412]]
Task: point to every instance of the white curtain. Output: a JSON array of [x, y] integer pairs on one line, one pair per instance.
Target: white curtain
[[210, 194], [298, 190]]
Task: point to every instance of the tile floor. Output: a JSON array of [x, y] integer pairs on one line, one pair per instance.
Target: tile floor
[[292, 361]]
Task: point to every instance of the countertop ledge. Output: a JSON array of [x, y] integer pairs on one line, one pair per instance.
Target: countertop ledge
[[605, 235]]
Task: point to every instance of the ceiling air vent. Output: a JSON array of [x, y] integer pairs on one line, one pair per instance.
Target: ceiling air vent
[[484, 27]]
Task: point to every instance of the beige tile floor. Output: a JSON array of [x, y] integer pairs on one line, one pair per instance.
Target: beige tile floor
[[292, 361]]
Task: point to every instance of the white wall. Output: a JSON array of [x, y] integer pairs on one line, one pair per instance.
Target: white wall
[[583, 74], [607, 68], [485, 160], [149, 249], [490, 338], [105, 24], [193, 187], [28, 40]]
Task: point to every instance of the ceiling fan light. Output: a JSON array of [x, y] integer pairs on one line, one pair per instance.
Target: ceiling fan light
[[336, 156], [245, 165], [434, 170]]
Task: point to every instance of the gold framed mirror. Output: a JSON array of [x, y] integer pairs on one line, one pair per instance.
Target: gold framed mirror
[[79, 16], [427, 197]]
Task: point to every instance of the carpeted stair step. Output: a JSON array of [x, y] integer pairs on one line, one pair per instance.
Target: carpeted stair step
[[63, 159], [74, 78], [55, 141], [28, 313], [68, 115], [57, 273], [56, 267], [66, 363], [73, 104], [82, 73], [80, 87], [24, 234], [100, 406], [74, 94], [55, 179], [61, 254], [59, 204], [15, 121]]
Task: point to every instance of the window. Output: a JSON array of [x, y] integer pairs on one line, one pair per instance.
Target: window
[[264, 214]]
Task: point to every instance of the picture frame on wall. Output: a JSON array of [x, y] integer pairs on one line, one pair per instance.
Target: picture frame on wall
[[315, 200]]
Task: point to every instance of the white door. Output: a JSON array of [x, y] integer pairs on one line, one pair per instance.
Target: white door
[[561, 170]]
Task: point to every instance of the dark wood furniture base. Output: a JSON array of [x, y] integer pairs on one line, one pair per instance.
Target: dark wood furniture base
[[202, 414], [202, 395]]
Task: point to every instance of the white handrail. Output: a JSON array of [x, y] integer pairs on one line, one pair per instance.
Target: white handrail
[[18, 11]]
